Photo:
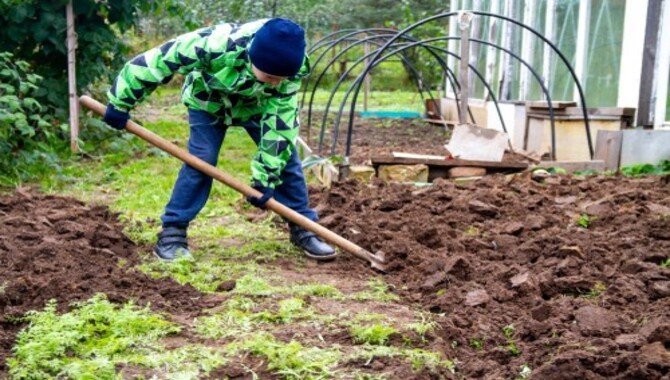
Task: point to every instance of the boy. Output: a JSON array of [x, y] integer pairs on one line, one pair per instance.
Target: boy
[[246, 75]]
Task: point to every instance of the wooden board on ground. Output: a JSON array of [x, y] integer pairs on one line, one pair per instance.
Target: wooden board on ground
[[438, 167], [444, 162]]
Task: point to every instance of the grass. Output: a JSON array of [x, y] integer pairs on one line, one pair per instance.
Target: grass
[[371, 329], [598, 288], [584, 220], [378, 101], [95, 338], [291, 360], [665, 263], [508, 332], [418, 358]]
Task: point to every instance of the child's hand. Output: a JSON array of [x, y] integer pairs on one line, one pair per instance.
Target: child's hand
[[115, 118]]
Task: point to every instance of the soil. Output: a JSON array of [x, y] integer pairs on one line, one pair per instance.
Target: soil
[[373, 136], [58, 248], [583, 302]]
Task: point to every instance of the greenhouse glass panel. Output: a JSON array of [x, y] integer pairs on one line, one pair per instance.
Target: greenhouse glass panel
[[603, 57], [539, 22], [561, 83], [667, 102]]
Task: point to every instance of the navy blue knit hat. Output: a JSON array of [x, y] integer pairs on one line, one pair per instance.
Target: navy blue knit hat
[[278, 48]]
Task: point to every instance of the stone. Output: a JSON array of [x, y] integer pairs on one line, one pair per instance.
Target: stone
[[482, 208], [362, 173], [403, 173], [477, 297], [466, 171], [540, 175], [226, 286]]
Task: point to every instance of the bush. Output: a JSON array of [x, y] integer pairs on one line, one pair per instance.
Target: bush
[[30, 138]]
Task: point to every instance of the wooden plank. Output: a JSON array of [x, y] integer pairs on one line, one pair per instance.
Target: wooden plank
[[558, 105], [608, 148], [651, 48], [390, 160]]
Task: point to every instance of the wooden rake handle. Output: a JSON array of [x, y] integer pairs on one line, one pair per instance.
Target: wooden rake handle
[[246, 190]]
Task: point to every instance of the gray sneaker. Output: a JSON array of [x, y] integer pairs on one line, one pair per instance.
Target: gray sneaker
[[171, 244]]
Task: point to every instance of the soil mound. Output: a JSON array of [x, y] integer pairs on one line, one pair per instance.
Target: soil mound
[[53, 247], [563, 276]]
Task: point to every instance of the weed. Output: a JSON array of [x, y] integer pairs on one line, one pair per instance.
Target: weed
[[423, 327], [665, 263], [508, 332], [376, 334], [87, 342], [419, 359], [598, 288], [584, 220], [477, 344], [291, 360], [471, 231], [289, 310], [378, 291]]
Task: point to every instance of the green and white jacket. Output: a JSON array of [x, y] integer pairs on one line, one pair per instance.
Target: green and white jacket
[[219, 80]]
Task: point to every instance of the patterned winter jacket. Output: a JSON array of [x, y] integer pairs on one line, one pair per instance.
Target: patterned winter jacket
[[219, 80]]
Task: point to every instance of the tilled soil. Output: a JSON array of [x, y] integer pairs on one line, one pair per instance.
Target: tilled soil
[[585, 302], [381, 137], [53, 247]]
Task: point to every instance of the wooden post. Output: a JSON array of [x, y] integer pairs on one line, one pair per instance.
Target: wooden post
[[645, 108], [661, 76], [72, 77], [464, 20]]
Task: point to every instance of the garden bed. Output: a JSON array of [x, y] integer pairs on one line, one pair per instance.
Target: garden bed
[[568, 277]]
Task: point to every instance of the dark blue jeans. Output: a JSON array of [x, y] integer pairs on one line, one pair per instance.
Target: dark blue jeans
[[192, 188]]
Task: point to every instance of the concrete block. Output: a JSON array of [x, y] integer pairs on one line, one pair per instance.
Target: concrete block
[[464, 171], [645, 147], [404, 173]]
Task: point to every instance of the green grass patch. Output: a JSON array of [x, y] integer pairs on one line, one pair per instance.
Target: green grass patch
[[419, 359], [87, 342], [290, 360], [367, 328], [378, 290]]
